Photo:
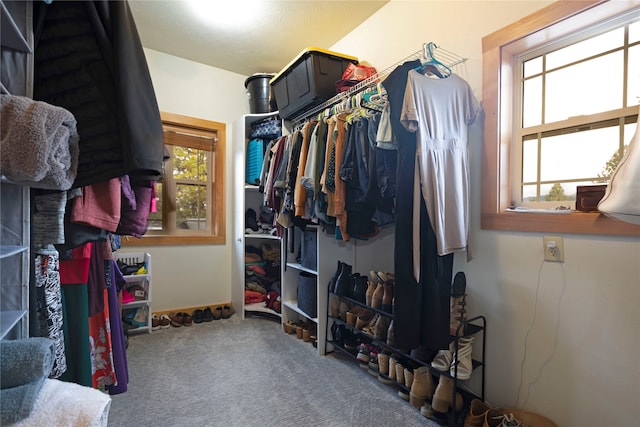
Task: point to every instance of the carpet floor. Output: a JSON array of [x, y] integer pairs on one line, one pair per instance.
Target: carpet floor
[[235, 372]]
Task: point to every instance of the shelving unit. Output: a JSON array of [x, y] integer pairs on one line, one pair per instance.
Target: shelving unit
[[142, 294], [472, 327], [247, 196], [15, 215]]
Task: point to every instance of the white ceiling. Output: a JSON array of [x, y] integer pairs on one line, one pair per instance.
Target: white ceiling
[[281, 31]]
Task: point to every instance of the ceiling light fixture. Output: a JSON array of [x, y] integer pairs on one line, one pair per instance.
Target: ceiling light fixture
[[227, 13]]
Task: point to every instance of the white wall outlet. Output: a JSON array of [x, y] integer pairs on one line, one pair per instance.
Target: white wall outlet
[[553, 247]]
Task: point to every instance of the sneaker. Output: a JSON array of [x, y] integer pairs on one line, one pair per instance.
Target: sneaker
[[155, 322], [217, 313], [363, 353], [165, 322]]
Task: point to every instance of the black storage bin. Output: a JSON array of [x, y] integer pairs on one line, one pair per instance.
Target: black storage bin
[[308, 294], [309, 249], [260, 93], [309, 80]]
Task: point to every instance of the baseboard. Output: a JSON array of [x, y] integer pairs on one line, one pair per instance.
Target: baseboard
[[190, 310]]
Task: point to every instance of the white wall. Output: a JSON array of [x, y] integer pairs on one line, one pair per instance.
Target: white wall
[[189, 276], [582, 364]]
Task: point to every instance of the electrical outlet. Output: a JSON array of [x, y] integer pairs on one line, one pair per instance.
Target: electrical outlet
[[553, 247]]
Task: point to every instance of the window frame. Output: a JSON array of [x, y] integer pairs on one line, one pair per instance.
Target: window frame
[[217, 231], [500, 51]]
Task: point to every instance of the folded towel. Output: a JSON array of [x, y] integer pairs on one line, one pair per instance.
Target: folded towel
[[18, 402], [38, 143], [24, 361], [61, 403]]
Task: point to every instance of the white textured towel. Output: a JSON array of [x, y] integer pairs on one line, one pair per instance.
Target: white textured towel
[[64, 404], [38, 143]]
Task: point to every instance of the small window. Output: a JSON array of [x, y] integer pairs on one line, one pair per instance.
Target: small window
[[560, 94], [189, 196], [563, 140]]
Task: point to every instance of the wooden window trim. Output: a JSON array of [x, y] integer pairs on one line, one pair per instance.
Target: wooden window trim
[[202, 128], [499, 56]]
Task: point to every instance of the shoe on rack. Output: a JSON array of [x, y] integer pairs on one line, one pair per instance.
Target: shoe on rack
[[251, 221], [457, 310], [442, 360], [422, 388], [381, 328], [462, 364], [442, 397], [364, 350]]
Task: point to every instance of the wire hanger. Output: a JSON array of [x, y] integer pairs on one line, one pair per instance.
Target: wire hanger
[[432, 65]]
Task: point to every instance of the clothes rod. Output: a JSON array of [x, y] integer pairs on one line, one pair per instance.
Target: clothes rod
[[449, 59]]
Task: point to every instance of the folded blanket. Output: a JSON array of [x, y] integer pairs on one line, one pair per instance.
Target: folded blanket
[[24, 361], [61, 403], [38, 143], [18, 402]]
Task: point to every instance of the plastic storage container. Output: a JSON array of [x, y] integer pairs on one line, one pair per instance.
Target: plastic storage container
[[308, 80], [260, 93]]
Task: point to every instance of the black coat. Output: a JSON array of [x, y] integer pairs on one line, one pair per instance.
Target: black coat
[[89, 60]]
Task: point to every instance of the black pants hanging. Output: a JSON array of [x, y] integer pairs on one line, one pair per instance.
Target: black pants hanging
[[421, 310]]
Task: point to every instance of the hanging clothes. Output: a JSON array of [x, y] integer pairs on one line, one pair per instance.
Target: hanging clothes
[[440, 111]]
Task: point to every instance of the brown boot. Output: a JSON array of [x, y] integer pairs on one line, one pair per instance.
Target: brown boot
[[381, 328], [457, 310], [477, 411], [399, 373], [422, 387], [371, 287], [442, 396], [387, 297], [376, 299], [408, 377], [392, 368], [390, 336]]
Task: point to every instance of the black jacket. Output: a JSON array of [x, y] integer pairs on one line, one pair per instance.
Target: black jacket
[[89, 60]]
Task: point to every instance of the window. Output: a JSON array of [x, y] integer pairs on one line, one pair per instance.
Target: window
[[560, 98], [189, 197]]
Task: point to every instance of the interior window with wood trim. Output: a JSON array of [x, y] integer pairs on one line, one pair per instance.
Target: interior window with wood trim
[[561, 92], [190, 196]]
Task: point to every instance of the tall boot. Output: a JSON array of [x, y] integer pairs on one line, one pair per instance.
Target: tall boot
[[387, 297], [371, 287], [392, 367], [332, 282], [343, 281], [422, 387], [381, 328], [457, 310], [390, 335], [376, 299], [360, 288]]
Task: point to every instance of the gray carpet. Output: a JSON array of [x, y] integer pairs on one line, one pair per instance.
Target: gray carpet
[[249, 373]]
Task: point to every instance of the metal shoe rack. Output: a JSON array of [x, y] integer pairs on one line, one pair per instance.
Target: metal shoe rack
[[467, 388]]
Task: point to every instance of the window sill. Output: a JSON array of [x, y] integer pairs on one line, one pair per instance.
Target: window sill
[[592, 223], [151, 240]]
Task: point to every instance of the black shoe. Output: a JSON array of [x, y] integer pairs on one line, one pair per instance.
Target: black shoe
[[207, 315], [250, 221], [197, 316]]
